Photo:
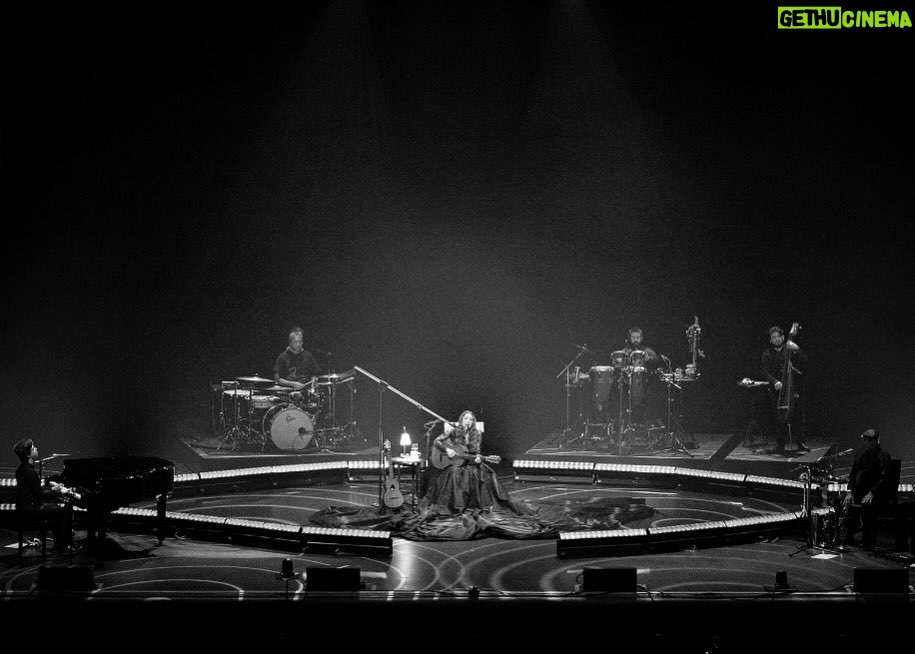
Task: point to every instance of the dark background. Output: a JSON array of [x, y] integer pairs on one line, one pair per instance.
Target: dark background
[[450, 196]]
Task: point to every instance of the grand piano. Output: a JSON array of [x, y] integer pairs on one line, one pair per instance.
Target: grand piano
[[109, 483]]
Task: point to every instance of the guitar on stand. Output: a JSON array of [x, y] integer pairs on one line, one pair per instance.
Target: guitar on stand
[[392, 497]]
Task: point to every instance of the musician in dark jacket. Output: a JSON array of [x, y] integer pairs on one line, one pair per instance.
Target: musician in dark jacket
[[468, 483], [774, 369], [34, 501], [867, 488]]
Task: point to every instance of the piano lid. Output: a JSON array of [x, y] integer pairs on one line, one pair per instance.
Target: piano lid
[[148, 474], [117, 466]]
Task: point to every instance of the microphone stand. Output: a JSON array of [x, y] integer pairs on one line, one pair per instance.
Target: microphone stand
[[382, 387], [55, 455]]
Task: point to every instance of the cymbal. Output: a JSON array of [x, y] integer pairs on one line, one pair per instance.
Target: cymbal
[[254, 380], [336, 378], [280, 389]]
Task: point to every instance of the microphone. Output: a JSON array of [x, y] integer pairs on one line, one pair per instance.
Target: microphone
[[842, 453]]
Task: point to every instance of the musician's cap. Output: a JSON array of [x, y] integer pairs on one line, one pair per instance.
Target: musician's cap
[[871, 435]]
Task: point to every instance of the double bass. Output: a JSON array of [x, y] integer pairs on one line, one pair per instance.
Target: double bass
[[787, 395]]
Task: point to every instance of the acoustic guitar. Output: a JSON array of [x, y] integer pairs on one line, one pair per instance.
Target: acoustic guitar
[[441, 459], [392, 498]]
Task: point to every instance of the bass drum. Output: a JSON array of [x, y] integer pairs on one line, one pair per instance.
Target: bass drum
[[289, 427]]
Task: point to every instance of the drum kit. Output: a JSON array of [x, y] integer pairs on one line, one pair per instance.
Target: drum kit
[[618, 413], [252, 413], [617, 408]]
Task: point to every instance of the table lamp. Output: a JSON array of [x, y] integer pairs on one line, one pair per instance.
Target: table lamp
[[404, 442]]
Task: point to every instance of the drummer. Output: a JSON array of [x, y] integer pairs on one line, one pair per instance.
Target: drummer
[[295, 367], [636, 343]]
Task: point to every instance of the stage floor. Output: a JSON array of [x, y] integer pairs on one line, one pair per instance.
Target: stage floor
[[186, 579], [198, 586]]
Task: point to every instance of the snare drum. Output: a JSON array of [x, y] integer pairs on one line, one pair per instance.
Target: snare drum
[[308, 399], [289, 427]]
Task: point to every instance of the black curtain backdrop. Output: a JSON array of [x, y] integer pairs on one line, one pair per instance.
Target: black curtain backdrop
[[450, 196]]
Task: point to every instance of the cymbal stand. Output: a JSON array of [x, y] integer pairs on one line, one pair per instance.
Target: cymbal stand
[[326, 416], [231, 435], [351, 429], [567, 433], [338, 433], [625, 418], [332, 393]]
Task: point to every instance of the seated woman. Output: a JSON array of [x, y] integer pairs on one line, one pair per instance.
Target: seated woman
[[466, 482]]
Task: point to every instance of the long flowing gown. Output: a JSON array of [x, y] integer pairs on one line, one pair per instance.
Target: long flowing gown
[[466, 485]]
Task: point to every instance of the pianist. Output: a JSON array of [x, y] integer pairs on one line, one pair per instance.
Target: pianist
[[34, 501]]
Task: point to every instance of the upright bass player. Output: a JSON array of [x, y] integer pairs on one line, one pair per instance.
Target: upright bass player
[[783, 365]]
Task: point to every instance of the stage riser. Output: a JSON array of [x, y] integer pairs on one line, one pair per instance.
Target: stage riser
[[660, 543], [242, 484]]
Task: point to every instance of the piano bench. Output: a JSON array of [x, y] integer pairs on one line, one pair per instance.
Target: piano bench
[[38, 525]]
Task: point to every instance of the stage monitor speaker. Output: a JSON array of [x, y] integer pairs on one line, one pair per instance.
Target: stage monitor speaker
[[72, 578], [609, 580], [333, 579], [881, 580]]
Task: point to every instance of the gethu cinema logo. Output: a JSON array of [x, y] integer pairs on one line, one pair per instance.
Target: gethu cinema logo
[[835, 18]]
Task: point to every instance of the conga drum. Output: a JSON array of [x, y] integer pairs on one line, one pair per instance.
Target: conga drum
[[602, 383]]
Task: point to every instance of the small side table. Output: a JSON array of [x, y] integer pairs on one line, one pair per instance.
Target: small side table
[[415, 466]]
